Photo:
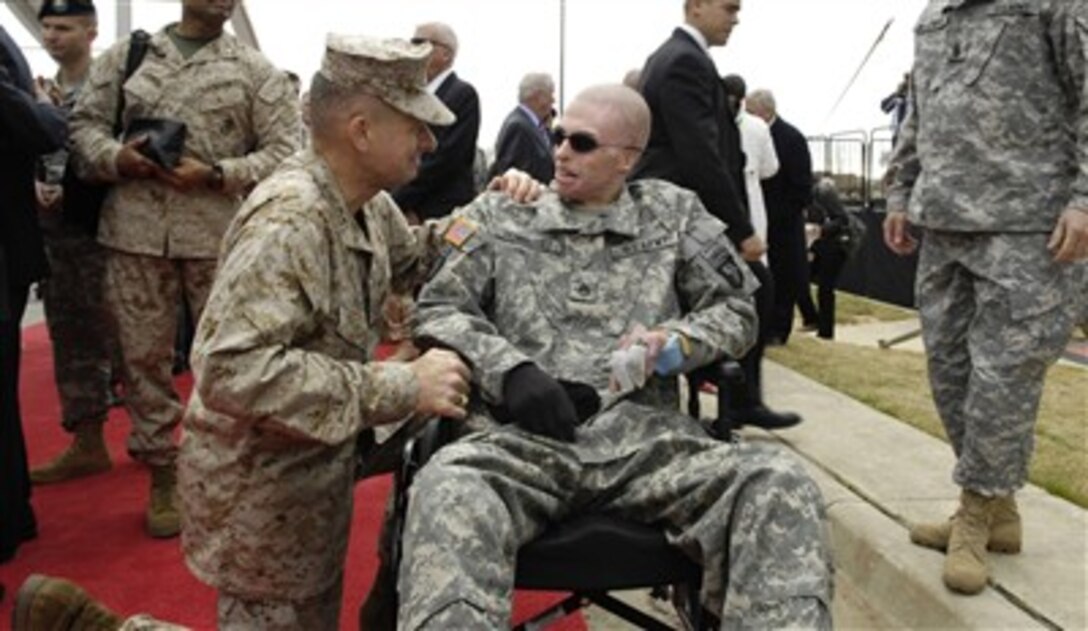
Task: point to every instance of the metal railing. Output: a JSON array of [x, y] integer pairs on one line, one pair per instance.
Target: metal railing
[[856, 160]]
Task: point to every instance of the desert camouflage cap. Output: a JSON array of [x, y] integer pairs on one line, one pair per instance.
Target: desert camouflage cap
[[66, 8], [393, 70]]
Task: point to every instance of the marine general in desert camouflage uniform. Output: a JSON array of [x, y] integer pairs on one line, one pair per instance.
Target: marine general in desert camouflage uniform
[[283, 386], [992, 164], [534, 295], [163, 228]]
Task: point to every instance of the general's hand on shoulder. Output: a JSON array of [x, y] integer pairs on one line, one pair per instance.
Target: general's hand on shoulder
[[518, 186]]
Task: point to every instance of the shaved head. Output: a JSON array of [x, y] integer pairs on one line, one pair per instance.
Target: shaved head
[[628, 114]]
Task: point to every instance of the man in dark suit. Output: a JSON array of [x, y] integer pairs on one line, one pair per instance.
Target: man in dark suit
[[30, 125], [445, 179], [787, 194], [694, 142], [524, 141]]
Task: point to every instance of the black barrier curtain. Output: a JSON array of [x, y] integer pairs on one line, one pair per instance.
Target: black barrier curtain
[[875, 271]]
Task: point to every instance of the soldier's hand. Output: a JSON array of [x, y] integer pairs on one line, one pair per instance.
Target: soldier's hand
[[537, 403], [753, 248], [133, 165], [189, 174], [48, 196], [443, 384], [1069, 241], [47, 91], [518, 186], [897, 233], [652, 339]]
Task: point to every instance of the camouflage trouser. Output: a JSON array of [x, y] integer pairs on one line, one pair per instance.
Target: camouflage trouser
[[319, 613], [996, 312], [80, 326], [143, 293], [747, 513]]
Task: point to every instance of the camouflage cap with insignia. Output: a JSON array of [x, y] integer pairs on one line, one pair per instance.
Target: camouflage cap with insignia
[[63, 8], [393, 70]]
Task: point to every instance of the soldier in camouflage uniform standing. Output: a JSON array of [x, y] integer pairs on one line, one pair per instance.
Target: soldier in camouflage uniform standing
[[162, 228], [991, 164], [75, 311], [535, 297]]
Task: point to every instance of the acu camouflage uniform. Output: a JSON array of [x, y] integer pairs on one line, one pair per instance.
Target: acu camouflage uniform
[[283, 388], [79, 323], [994, 148], [162, 242], [547, 284]]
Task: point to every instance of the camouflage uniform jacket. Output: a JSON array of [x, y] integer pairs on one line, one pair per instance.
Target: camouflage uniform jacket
[[283, 385], [996, 138], [239, 113], [558, 287]]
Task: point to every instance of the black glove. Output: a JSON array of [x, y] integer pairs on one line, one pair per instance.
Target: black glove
[[585, 399], [535, 401]]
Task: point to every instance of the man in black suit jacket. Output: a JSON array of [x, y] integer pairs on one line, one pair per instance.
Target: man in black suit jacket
[[523, 141], [694, 142], [445, 180], [787, 194], [29, 127]]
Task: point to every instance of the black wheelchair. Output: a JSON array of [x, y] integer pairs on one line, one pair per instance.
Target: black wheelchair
[[591, 555]]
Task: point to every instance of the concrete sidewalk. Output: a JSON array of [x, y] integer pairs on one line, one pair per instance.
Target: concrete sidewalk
[[878, 475]]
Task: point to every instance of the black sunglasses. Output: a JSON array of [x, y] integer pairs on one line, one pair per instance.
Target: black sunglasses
[[582, 142]]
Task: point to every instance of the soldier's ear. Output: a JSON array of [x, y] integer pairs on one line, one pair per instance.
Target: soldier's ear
[[359, 132], [628, 158]]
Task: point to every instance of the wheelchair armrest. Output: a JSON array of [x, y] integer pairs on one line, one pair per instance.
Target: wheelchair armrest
[[417, 451], [727, 376]]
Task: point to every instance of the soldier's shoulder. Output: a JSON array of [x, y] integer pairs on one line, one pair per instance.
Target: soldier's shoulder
[[111, 60], [658, 187], [290, 196], [495, 212], [670, 203]]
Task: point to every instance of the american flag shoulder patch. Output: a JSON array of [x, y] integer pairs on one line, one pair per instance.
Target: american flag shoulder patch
[[459, 232]]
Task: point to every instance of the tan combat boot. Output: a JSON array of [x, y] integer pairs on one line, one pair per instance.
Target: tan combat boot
[[1006, 532], [965, 564], [56, 604], [163, 519], [86, 455]]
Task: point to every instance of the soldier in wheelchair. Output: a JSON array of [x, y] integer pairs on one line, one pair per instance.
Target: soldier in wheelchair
[[575, 314]]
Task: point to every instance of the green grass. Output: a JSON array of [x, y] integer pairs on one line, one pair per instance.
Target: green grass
[[894, 382]]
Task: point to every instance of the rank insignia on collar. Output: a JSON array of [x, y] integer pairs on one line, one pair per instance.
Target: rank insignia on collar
[[459, 232]]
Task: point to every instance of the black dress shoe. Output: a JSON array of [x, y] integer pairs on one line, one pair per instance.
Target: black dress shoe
[[765, 418]]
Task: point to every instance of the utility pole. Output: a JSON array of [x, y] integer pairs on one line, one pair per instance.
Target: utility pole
[[562, 52]]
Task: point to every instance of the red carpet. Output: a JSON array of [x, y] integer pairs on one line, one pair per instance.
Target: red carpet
[[91, 530]]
